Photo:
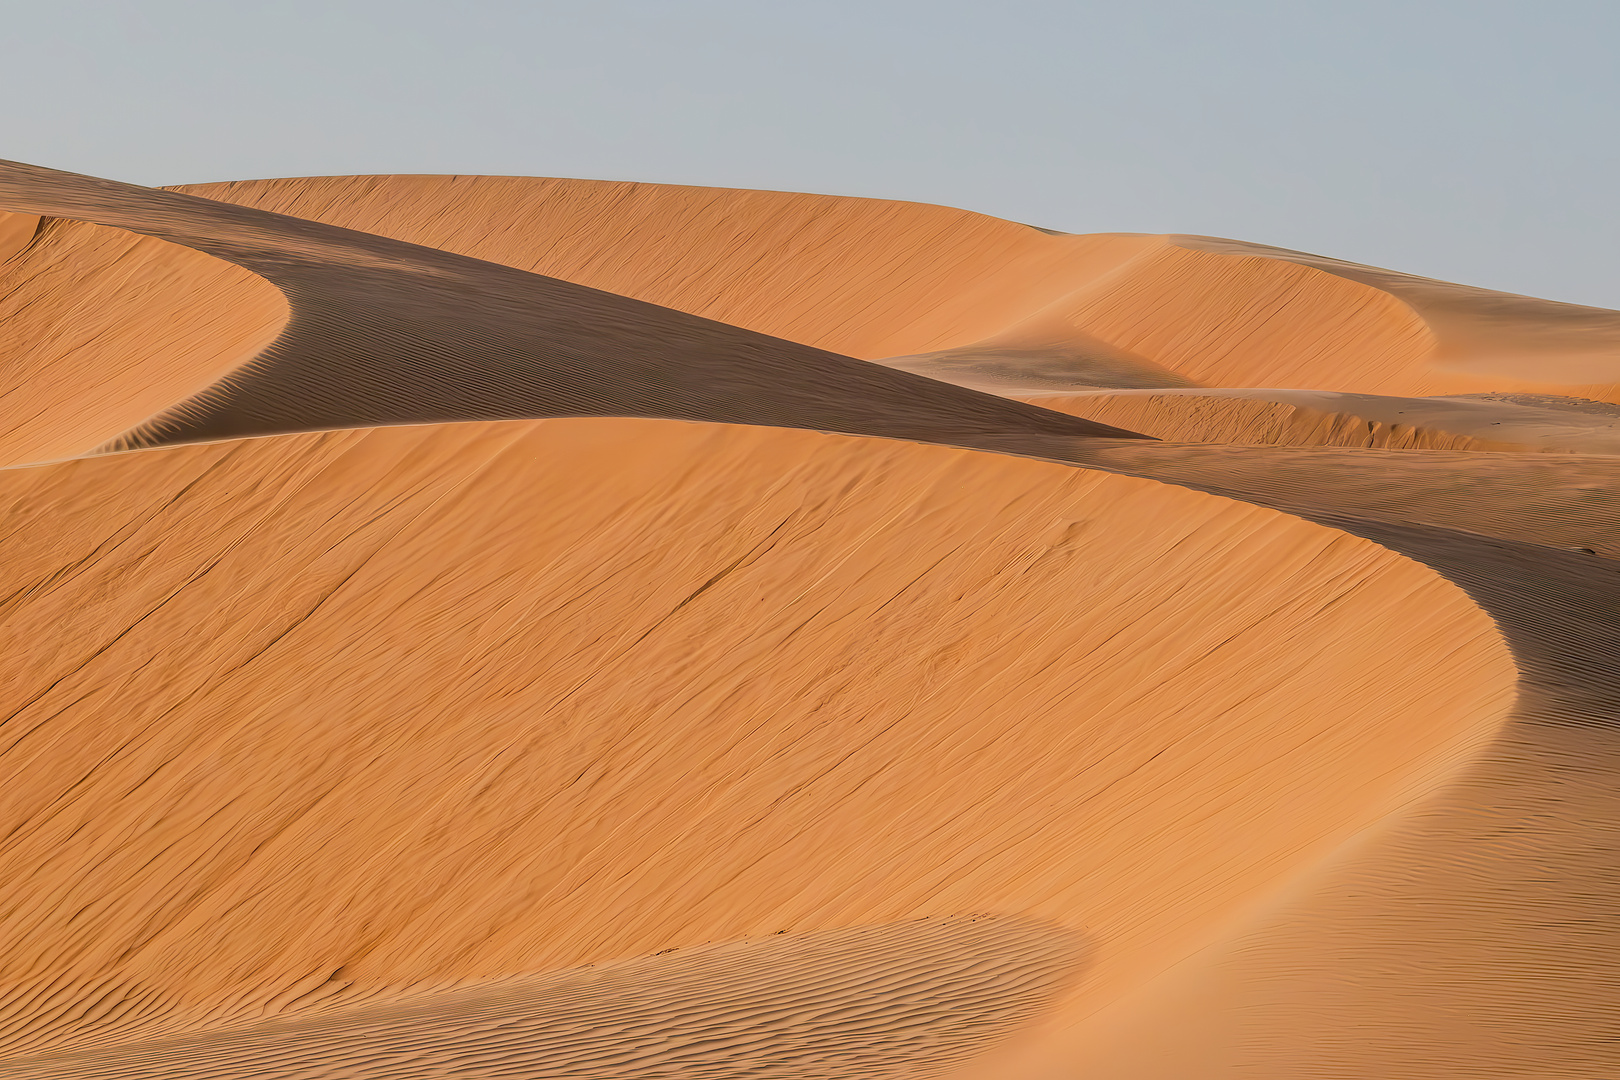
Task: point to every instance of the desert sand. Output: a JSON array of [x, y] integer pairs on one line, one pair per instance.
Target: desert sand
[[481, 627]]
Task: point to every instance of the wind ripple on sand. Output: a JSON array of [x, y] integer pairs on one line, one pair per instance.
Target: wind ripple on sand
[[671, 683], [1176, 834], [900, 1000], [1213, 418]]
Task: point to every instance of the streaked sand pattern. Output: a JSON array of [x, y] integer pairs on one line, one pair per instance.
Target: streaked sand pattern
[[901, 1000], [523, 637]]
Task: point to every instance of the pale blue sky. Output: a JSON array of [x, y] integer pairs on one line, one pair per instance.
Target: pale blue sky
[[1477, 141]]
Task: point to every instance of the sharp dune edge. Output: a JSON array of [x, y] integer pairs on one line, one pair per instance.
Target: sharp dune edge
[[16, 230], [101, 328], [608, 745], [876, 279]]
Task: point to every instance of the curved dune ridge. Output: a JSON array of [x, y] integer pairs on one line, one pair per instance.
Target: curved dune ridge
[[1476, 936], [416, 750], [100, 329], [1512, 342], [390, 333], [588, 762], [876, 279]]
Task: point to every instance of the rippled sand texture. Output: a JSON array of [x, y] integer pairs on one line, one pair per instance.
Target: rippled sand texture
[[596, 696], [869, 1001]]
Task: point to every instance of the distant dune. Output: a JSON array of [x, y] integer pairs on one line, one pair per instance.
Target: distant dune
[[489, 627], [875, 279]]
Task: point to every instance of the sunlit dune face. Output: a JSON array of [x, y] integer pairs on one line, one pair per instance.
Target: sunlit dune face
[[1176, 658], [100, 329], [677, 683]]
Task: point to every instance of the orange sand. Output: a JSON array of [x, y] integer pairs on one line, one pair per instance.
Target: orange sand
[[16, 230], [100, 329], [415, 750], [875, 279]]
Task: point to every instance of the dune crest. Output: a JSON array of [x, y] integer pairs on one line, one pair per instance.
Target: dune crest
[[387, 333], [935, 734], [16, 230], [101, 328], [310, 736], [1508, 341], [875, 279]]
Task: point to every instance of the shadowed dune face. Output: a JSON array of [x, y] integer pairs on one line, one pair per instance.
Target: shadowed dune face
[[1108, 310], [100, 329], [880, 279], [673, 684], [386, 333], [670, 684], [918, 279], [865, 277]]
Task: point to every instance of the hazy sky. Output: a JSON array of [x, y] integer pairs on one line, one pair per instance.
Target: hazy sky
[[1477, 141]]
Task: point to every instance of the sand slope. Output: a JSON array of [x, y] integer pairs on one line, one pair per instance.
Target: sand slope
[[16, 230], [1257, 417], [341, 753], [390, 333], [587, 763], [902, 1000], [1475, 935], [100, 329], [1493, 337], [880, 279]]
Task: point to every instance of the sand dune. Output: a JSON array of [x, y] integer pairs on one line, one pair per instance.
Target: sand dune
[[1499, 338], [863, 277], [16, 230], [100, 329], [1475, 935], [390, 333], [1013, 308], [589, 704], [345, 752], [877, 279]]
